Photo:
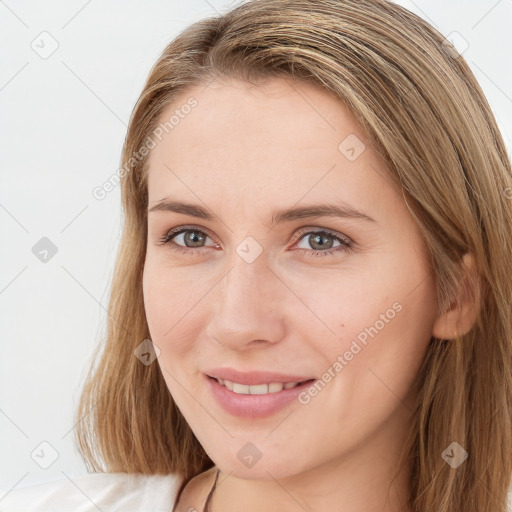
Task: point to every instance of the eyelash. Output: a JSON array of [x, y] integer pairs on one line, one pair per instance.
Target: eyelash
[[347, 243]]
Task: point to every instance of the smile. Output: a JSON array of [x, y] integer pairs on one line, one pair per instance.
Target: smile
[[258, 389], [254, 400]]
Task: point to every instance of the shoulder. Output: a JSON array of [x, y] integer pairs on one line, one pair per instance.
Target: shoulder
[[109, 492]]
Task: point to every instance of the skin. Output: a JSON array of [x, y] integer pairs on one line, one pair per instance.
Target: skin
[[244, 151]]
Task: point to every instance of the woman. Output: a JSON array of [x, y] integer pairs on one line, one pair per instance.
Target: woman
[[240, 370]]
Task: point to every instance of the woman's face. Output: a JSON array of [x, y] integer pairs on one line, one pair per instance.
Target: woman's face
[[238, 291]]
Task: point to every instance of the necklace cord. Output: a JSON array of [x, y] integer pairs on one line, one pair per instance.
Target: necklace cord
[[210, 494]]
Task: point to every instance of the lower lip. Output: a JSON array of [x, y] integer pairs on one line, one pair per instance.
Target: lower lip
[[254, 406]]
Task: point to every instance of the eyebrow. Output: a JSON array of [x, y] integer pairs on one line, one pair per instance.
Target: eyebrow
[[278, 217]]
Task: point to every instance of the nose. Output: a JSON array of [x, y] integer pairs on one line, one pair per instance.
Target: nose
[[247, 306]]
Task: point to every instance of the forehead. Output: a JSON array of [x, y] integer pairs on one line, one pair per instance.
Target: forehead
[[280, 138]]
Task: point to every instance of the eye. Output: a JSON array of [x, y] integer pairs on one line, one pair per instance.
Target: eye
[[190, 236], [190, 239], [321, 240]]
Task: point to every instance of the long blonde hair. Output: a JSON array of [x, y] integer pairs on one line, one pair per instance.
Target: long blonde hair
[[427, 116]]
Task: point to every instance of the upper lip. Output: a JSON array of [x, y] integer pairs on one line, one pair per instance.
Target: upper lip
[[252, 378]]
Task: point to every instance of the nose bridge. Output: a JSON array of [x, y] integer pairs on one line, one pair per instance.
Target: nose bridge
[[243, 309], [246, 286]]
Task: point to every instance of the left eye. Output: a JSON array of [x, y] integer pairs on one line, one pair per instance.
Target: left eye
[[320, 239]]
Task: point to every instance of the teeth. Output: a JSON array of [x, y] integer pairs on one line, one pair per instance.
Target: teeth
[[243, 389], [257, 389], [274, 387]]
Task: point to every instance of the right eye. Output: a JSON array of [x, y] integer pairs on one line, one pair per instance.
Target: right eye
[[187, 236]]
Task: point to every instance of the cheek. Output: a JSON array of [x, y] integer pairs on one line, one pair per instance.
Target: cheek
[[166, 316], [377, 355], [382, 317], [171, 297], [155, 301], [340, 304], [167, 322]]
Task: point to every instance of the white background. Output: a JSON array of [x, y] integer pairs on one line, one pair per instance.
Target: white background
[[63, 124]]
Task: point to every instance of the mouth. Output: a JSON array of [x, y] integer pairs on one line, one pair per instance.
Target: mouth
[[259, 389], [256, 393]]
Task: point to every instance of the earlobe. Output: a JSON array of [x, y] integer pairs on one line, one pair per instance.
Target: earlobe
[[461, 314]]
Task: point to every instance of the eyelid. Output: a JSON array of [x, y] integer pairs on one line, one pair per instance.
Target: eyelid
[[316, 229], [180, 229]]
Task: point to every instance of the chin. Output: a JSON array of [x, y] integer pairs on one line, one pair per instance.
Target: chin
[[266, 468]]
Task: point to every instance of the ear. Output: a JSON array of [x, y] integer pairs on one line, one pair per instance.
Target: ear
[[461, 314]]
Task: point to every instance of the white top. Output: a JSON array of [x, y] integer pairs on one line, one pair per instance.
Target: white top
[[104, 492], [108, 492]]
